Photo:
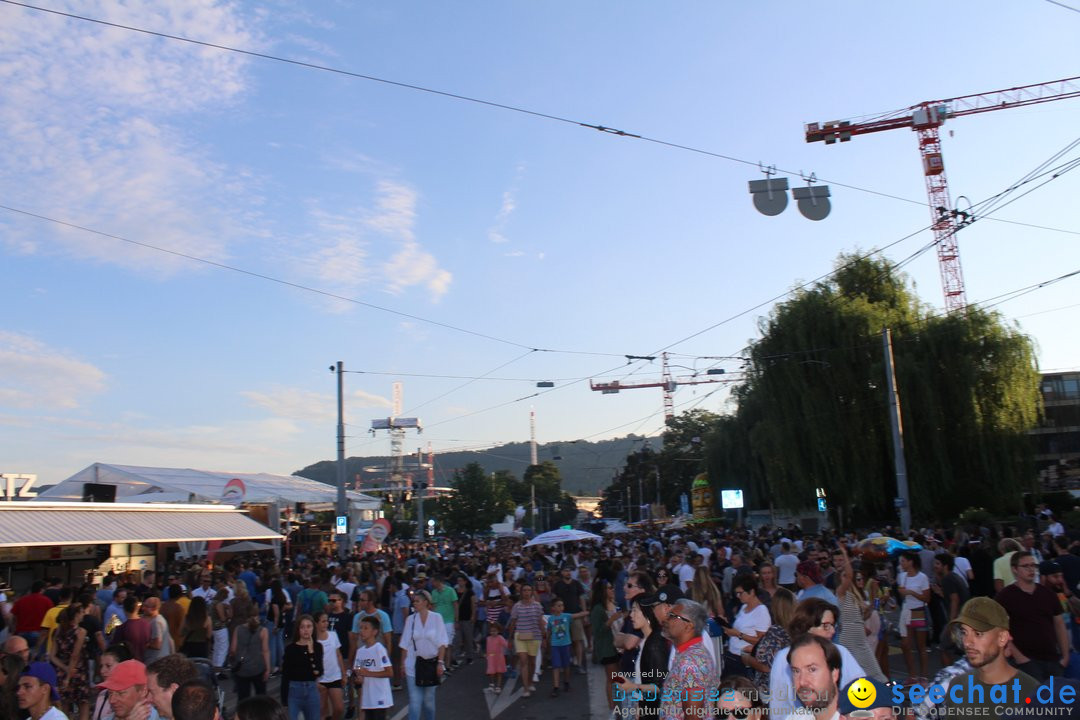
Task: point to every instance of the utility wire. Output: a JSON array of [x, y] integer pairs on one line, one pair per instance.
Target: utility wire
[[443, 93], [1061, 4], [1054, 175], [295, 285]]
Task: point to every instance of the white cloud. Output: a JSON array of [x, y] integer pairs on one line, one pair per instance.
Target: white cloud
[[361, 245], [514, 253], [509, 204], [88, 124], [34, 375], [305, 405]]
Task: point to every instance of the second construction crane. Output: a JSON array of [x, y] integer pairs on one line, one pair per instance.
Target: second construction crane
[[667, 382], [925, 119]]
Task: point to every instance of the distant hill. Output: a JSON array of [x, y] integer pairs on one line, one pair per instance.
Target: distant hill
[[586, 466]]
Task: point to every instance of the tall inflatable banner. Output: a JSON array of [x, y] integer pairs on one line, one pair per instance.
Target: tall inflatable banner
[[379, 531]]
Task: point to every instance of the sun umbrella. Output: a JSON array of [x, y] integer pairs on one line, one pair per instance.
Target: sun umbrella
[[886, 546], [245, 546], [554, 537]]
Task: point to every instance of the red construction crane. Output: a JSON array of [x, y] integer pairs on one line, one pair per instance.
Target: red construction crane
[[667, 382], [925, 119]]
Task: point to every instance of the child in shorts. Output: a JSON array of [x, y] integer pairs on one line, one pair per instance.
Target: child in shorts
[[560, 640]]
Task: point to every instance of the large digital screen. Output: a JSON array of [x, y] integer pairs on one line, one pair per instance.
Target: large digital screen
[[731, 499]]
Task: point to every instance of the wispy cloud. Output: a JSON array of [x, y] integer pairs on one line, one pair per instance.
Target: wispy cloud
[[509, 204], [34, 375], [304, 405], [115, 159], [365, 245]]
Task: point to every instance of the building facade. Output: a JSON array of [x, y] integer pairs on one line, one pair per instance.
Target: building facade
[[1057, 440]]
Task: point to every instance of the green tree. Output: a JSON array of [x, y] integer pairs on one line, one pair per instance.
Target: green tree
[[813, 409], [554, 507], [674, 467], [476, 502]]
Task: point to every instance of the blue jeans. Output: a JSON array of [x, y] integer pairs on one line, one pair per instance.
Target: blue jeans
[[277, 645], [420, 698], [304, 698]]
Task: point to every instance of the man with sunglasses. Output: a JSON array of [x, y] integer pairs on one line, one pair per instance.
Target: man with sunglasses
[[692, 674]]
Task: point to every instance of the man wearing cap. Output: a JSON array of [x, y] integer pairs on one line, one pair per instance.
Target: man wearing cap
[[36, 692], [984, 634], [881, 706], [128, 693], [808, 578], [1040, 643]]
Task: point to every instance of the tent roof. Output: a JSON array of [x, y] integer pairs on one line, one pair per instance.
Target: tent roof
[[140, 484], [27, 524]]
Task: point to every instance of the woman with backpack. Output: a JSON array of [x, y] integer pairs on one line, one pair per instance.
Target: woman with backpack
[[250, 652]]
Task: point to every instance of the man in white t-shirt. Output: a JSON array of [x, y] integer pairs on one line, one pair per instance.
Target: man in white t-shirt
[[372, 670], [785, 566], [686, 571]]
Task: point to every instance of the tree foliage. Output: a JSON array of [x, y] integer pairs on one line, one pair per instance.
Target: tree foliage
[[479, 499], [674, 466], [813, 410], [476, 502], [553, 506]]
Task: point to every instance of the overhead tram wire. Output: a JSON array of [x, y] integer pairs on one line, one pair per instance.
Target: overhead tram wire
[[446, 94], [919, 252], [468, 383], [297, 286], [1055, 174], [922, 250]]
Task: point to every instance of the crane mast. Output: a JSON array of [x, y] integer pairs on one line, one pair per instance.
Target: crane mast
[[926, 119]]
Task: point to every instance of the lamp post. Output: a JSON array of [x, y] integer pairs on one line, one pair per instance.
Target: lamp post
[[341, 507]]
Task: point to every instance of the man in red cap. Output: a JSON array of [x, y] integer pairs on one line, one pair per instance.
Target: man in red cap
[[808, 578], [128, 694], [36, 692]]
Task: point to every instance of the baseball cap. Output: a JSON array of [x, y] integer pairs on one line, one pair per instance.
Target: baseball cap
[[45, 674], [127, 674], [669, 594], [982, 614], [1049, 567], [810, 569], [883, 696]]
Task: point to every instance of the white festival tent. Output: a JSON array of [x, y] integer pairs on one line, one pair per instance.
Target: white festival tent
[[152, 484]]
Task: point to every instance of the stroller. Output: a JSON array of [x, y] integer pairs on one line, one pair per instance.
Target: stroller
[[208, 674]]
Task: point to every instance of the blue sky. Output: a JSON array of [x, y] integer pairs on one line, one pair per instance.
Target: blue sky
[[536, 233]]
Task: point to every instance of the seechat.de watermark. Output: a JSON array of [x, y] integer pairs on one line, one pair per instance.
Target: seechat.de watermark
[[969, 695]]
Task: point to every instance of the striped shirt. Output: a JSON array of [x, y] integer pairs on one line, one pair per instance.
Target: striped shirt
[[528, 618]]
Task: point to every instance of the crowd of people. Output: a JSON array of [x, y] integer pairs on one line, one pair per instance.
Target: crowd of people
[[685, 622]]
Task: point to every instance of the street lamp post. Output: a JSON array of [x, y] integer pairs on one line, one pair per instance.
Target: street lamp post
[[341, 507]]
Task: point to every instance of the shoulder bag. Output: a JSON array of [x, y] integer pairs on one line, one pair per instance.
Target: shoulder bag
[[427, 669]]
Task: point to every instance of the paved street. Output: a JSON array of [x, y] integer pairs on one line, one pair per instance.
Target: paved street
[[462, 695]]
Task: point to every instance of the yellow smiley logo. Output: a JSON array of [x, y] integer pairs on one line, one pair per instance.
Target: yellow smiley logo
[[862, 693]]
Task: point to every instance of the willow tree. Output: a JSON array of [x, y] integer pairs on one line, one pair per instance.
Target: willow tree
[[813, 410]]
